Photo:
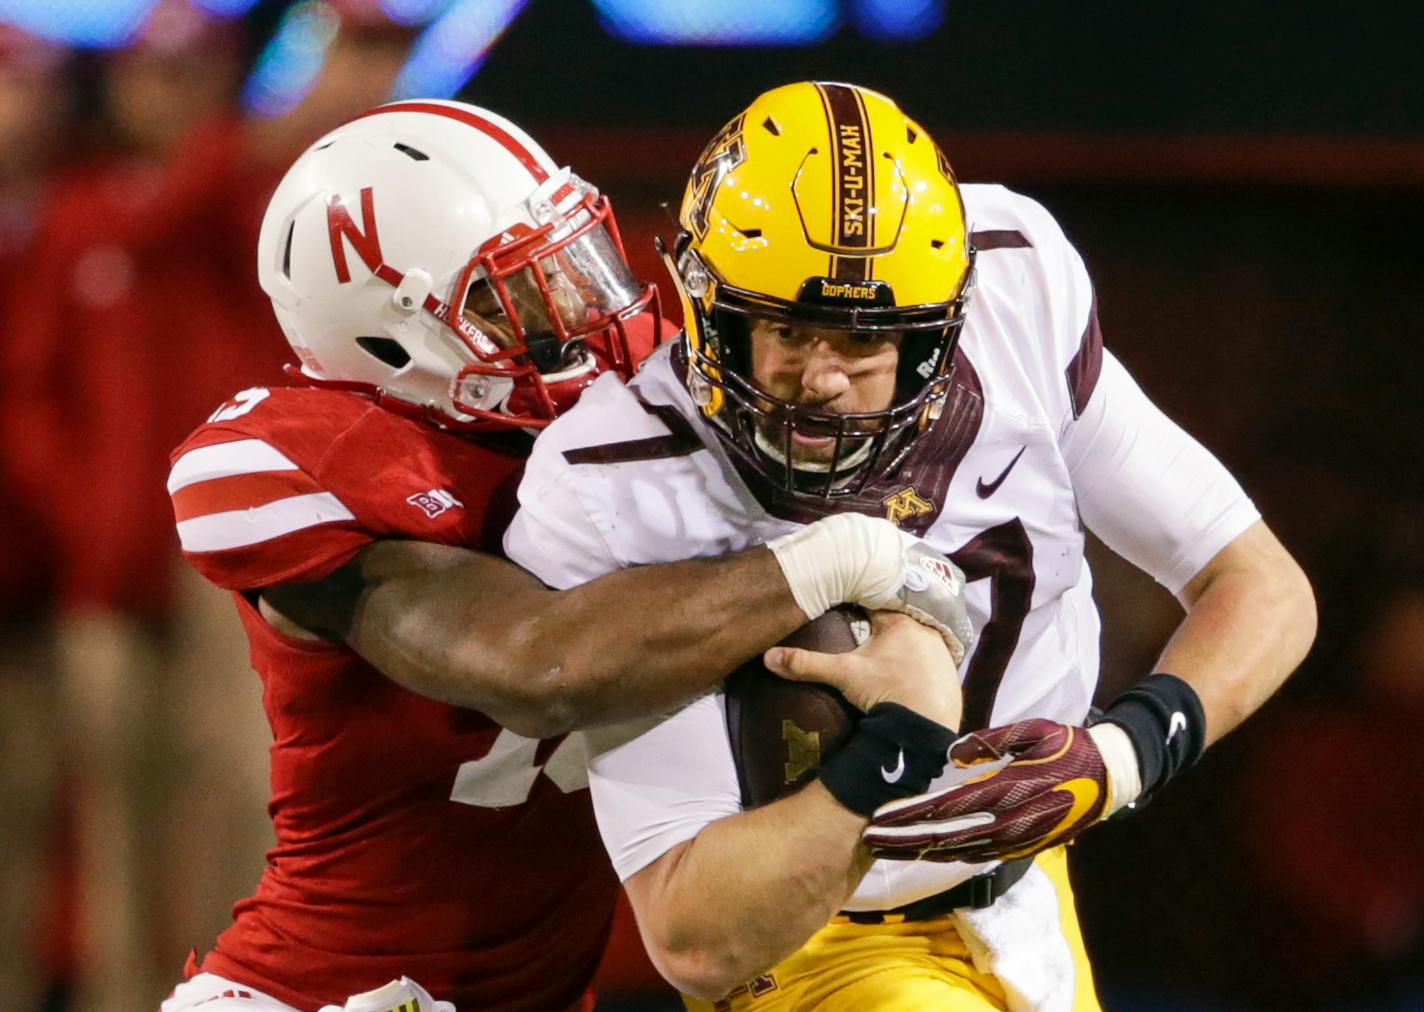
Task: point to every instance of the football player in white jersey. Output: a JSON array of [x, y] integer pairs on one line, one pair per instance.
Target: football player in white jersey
[[864, 335]]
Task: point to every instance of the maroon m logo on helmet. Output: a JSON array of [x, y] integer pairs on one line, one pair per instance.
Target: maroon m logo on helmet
[[364, 241]]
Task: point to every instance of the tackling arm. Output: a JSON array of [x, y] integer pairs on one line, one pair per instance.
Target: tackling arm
[[476, 631], [480, 632]]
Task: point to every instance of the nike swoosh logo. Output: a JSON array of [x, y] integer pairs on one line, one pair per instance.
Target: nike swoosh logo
[[893, 776], [985, 491], [1178, 723], [1085, 794]]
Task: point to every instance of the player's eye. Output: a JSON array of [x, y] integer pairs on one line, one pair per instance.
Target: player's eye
[[866, 342]]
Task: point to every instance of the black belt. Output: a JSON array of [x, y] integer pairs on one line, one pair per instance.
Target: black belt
[[978, 892]]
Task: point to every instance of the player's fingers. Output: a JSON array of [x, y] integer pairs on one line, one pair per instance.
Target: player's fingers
[[1038, 823], [977, 747], [937, 833], [809, 666], [882, 620], [978, 836], [1013, 740], [985, 795]]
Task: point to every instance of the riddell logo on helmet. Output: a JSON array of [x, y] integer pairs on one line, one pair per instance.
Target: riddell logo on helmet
[[840, 290]]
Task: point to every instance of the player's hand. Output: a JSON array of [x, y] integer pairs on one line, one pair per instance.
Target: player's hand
[[1055, 785], [903, 661], [931, 591], [848, 558]]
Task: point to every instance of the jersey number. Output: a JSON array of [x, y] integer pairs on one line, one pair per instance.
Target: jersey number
[[1003, 555], [505, 774], [241, 403]]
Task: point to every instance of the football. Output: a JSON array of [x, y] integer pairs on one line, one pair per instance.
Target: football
[[781, 731]]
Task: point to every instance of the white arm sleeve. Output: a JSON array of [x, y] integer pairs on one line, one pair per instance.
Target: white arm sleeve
[[663, 787], [1154, 494], [553, 536]]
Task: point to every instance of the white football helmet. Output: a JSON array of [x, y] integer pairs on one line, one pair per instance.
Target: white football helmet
[[431, 255]]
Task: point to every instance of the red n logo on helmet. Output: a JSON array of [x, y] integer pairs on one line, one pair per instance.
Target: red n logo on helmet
[[339, 225]]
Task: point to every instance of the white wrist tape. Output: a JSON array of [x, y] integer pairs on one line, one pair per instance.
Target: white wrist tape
[[846, 557], [1120, 758]]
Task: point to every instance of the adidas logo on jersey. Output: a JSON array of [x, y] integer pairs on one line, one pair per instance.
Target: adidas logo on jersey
[[434, 502]]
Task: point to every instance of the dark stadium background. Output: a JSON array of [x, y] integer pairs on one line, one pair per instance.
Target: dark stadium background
[[1246, 183]]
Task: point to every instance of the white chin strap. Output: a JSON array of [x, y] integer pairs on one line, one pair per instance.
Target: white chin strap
[[582, 367]]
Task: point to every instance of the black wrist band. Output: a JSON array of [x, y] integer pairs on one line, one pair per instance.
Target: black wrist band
[[1164, 719], [893, 753]]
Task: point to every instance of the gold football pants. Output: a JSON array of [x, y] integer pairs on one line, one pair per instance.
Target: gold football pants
[[905, 966]]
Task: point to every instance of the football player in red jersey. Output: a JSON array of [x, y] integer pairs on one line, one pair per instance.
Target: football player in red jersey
[[446, 285]]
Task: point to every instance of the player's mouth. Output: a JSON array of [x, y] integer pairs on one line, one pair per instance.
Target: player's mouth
[[804, 440]]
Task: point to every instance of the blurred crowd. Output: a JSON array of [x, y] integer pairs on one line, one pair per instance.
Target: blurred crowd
[[133, 775], [132, 743]]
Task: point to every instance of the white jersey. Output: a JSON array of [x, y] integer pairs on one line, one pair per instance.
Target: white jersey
[[1043, 432]]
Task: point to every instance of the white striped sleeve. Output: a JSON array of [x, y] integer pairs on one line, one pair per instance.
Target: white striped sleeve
[[248, 515], [218, 532], [226, 460]]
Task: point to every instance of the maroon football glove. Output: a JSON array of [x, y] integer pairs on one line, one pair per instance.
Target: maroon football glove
[[1054, 787]]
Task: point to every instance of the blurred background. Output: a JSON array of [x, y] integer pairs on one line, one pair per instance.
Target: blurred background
[[1245, 181]]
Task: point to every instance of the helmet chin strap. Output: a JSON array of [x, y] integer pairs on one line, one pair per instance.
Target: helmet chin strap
[[585, 365]]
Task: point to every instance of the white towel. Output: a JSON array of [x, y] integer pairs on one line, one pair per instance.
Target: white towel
[[1020, 941]]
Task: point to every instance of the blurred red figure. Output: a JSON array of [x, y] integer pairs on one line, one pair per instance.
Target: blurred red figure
[[91, 357], [148, 316], [31, 126]]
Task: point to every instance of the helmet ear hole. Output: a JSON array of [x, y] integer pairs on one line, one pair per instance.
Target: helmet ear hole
[[385, 349], [414, 154], [287, 251]]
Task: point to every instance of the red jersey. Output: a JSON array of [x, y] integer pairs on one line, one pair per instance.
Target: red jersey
[[413, 837]]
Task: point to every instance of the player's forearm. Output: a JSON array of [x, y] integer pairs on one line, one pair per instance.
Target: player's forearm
[[479, 632], [1250, 621], [748, 891], [646, 640]]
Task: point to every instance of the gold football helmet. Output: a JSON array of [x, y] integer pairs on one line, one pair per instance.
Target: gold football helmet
[[824, 204]]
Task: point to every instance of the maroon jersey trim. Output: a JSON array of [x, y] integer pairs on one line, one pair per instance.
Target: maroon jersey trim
[[1087, 365], [999, 238], [680, 442]]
